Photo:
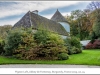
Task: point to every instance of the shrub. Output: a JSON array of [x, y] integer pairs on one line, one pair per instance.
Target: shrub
[[23, 44], [73, 45], [3, 30], [68, 44], [12, 41], [49, 44], [63, 56], [46, 52], [27, 40], [94, 45], [70, 51], [45, 37], [50, 51], [75, 42], [89, 46], [46, 45], [18, 39], [2, 46], [56, 39], [24, 54], [76, 50], [96, 27], [41, 36]]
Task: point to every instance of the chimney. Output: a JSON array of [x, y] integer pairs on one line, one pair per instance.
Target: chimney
[[35, 11]]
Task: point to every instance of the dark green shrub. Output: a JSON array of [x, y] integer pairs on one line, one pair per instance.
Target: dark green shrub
[[73, 45], [76, 50], [75, 42], [63, 56], [2, 46], [70, 51], [68, 44], [51, 44], [18, 39], [23, 44], [45, 37], [41, 36], [46, 46], [13, 39], [96, 27]]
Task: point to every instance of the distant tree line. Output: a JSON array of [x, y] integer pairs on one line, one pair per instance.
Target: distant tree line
[[3, 30], [85, 24]]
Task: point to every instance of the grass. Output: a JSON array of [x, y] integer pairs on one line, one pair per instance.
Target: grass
[[87, 57]]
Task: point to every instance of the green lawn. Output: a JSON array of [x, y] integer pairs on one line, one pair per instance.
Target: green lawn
[[87, 57]]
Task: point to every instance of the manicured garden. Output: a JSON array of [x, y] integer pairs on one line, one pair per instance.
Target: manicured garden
[[41, 45], [87, 57], [23, 46]]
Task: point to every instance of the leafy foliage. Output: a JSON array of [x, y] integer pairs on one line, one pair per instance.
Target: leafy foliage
[[16, 39], [96, 28], [73, 45], [50, 45], [63, 56], [12, 41], [80, 24], [41, 36], [2, 46], [75, 42], [76, 50], [3, 31], [94, 45], [24, 44]]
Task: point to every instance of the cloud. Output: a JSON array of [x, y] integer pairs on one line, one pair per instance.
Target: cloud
[[20, 7], [9, 22], [17, 8], [50, 15]]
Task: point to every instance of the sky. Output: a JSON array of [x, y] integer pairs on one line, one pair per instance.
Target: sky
[[12, 11]]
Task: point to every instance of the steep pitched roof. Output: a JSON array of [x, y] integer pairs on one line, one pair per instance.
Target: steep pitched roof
[[58, 17], [35, 21], [24, 21]]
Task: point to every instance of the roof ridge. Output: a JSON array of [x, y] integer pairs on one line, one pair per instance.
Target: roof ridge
[[23, 20], [58, 17], [35, 21]]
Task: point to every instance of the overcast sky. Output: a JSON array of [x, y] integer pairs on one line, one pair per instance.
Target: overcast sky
[[12, 11]]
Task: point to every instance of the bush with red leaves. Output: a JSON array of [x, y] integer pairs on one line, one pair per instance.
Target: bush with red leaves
[[94, 45]]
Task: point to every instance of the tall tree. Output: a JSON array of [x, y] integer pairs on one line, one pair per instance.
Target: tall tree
[[95, 8], [79, 24]]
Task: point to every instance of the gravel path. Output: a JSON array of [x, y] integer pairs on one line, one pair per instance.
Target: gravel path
[[46, 66]]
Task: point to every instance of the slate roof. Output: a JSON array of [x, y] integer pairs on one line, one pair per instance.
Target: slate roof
[[35, 21], [58, 17]]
